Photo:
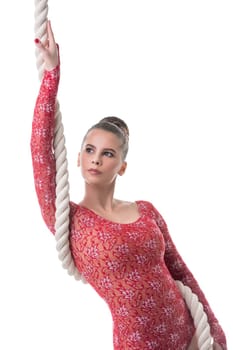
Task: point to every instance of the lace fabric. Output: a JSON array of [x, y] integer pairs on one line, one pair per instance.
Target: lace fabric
[[131, 266]]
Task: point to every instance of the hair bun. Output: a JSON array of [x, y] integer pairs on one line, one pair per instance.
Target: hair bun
[[117, 122]]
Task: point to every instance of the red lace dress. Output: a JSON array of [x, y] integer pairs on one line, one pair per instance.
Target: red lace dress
[[131, 266]]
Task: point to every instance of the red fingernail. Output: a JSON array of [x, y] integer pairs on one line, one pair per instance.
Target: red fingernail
[[37, 41]]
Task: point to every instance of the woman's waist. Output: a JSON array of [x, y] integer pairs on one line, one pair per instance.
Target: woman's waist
[[145, 296]]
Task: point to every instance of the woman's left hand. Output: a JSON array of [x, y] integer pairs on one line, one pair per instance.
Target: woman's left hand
[[49, 49]]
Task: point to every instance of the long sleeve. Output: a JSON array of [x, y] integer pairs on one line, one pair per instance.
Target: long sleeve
[[43, 160], [180, 271]]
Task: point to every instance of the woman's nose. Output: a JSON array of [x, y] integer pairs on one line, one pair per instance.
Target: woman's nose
[[96, 162]]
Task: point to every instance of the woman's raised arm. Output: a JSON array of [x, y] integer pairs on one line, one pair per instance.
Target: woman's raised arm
[[43, 130]]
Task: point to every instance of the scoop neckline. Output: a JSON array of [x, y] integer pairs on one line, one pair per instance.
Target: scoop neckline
[[114, 222]]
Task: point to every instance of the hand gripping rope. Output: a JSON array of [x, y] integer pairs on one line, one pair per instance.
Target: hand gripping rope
[[63, 199]]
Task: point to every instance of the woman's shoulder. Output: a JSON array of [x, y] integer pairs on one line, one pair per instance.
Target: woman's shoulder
[[150, 208], [133, 205], [139, 206], [145, 204]]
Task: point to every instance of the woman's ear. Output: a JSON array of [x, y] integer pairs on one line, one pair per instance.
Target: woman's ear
[[122, 169], [78, 161]]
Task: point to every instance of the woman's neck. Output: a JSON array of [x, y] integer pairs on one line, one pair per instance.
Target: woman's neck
[[99, 198]]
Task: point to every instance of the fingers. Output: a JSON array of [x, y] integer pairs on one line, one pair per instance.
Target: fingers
[[39, 44], [49, 49], [50, 32], [50, 42]]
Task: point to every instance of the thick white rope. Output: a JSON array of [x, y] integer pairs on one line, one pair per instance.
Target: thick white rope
[[199, 316], [63, 199], [62, 181]]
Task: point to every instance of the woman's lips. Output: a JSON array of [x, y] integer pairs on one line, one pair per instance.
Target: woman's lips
[[94, 171]]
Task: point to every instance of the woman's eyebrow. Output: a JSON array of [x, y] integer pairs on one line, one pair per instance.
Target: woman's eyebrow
[[110, 149], [105, 149], [89, 145]]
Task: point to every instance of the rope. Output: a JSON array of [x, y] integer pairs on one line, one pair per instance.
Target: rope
[[62, 198], [204, 338], [62, 181]]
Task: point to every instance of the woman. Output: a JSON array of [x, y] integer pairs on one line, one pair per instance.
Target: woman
[[123, 249]]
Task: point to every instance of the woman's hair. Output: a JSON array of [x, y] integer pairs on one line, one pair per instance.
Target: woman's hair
[[118, 127]]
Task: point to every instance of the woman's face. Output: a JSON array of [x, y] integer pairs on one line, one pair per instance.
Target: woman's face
[[100, 158]]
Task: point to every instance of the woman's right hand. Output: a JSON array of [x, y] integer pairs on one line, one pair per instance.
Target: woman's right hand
[[49, 49], [194, 344]]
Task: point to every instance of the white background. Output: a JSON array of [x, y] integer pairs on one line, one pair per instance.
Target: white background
[[166, 68]]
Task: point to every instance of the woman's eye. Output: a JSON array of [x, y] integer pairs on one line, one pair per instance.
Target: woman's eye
[[89, 150], [108, 154]]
